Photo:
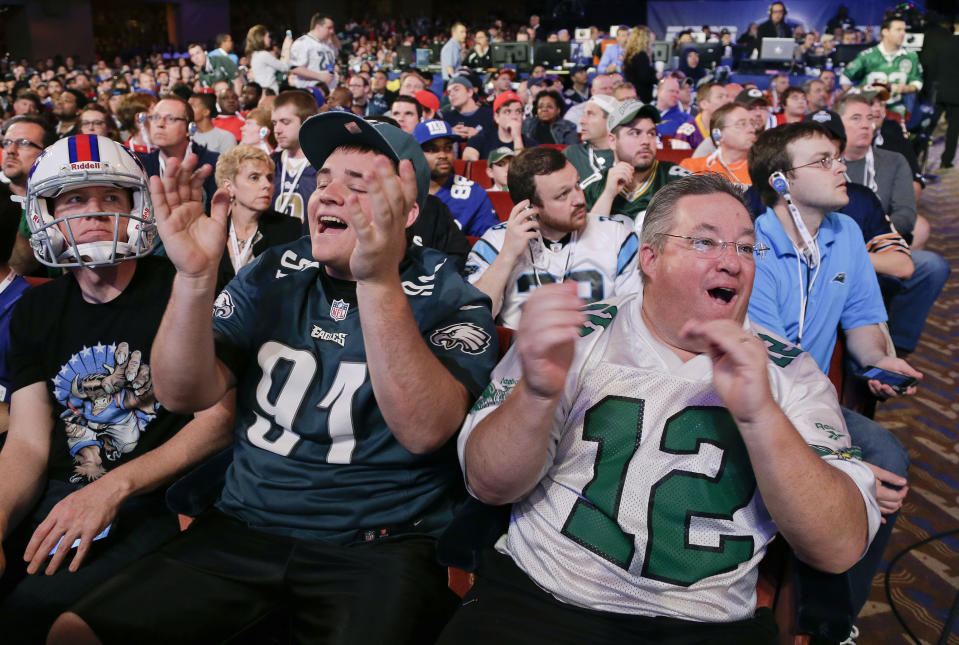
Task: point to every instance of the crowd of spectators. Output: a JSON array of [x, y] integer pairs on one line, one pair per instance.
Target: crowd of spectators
[[525, 179]]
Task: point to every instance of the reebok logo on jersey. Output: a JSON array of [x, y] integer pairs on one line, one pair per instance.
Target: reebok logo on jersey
[[411, 288], [334, 337], [469, 338], [494, 394], [223, 305]]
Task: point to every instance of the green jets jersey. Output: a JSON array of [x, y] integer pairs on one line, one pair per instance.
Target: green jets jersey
[[875, 66]]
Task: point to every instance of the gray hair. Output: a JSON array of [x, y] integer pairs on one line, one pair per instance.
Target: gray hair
[[660, 218]]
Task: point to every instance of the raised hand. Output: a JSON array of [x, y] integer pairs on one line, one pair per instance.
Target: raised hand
[[380, 221], [546, 338], [620, 175], [193, 241], [739, 366], [521, 227]]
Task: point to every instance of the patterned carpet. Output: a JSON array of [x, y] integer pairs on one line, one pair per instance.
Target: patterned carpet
[[924, 583]]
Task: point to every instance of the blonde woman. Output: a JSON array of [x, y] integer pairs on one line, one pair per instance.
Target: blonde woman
[[246, 173], [637, 68], [264, 66]]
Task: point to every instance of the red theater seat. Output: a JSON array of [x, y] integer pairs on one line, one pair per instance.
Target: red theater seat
[[502, 203], [477, 172]]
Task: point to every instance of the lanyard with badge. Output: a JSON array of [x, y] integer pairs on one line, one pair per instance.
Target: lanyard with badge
[[241, 258], [286, 194]]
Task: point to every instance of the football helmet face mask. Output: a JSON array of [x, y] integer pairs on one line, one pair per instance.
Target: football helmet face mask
[[79, 162]]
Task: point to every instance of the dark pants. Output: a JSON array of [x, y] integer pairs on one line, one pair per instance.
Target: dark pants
[[506, 607], [220, 577], [952, 131], [30, 604]]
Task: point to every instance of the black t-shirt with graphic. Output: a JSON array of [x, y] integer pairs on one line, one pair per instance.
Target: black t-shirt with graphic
[[94, 361]]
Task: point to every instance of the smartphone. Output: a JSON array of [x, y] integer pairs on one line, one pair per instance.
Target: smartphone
[[102, 534], [534, 216], [899, 382]]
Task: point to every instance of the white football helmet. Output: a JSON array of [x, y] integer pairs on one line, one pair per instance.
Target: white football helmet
[[79, 162]]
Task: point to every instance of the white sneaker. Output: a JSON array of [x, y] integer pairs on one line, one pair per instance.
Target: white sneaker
[[853, 635]]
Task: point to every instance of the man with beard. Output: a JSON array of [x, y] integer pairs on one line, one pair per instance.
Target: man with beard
[[250, 96], [549, 238], [228, 103], [626, 188], [66, 108], [466, 200]]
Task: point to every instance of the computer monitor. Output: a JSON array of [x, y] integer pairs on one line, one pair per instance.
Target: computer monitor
[[777, 49], [845, 54], [404, 56], [510, 53], [710, 54], [662, 50], [422, 57], [551, 54]]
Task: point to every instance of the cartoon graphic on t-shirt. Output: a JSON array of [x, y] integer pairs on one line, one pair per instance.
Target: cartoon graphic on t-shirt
[[108, 398]]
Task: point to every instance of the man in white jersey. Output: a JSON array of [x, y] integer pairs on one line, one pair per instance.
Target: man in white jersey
[[549, 237], [651, 446]]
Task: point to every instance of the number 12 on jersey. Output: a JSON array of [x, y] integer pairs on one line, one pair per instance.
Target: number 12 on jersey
[[283, 405], [615, 424]]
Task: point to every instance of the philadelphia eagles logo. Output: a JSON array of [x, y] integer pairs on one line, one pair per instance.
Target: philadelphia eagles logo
[[470, 338], [223, 305]]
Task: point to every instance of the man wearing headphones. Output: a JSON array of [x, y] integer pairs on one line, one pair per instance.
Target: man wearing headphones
[[172, 128], [819, 278], [776, 26], [733, 134]]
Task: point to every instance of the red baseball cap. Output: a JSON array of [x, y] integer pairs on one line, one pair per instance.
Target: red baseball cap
[[505, 97], [427, 99]]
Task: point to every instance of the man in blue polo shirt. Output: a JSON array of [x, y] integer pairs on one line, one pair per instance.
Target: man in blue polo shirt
[[667, 102], [817, 279], [467, 200]]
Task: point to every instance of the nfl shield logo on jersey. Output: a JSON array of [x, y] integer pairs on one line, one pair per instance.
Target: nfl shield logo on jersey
[[338, 309]]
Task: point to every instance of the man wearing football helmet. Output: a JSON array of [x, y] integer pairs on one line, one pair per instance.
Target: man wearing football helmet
[[88, 448], [651, 447], [355, 356]]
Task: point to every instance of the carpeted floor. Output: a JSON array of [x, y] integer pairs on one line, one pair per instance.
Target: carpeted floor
[[925, 582]]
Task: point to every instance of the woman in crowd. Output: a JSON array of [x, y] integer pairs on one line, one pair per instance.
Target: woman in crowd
[[264, 66], [257, 130], [247, 174], [547, 125], [690, 66], [134, 130], [95, 119], [637, 68]]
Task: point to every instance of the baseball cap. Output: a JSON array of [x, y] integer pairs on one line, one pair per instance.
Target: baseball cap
[[751, 97], [506, 70], [542, 80], [606, 103], [629, 110], [830, 120], [323, 133], [576, 69], [427, 99], [505, 97], [434, 129], [460, 80], [499, 154]]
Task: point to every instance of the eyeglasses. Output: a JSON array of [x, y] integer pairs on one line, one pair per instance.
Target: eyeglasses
[[742, 124], [711, 248], [92, 124], [21, 144], [168, 119], [825, 163]]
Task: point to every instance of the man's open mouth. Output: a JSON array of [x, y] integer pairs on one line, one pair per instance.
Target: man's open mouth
[[725, 294], [330, 223]]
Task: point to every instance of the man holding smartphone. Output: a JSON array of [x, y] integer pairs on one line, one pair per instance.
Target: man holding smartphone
[[550, 237]]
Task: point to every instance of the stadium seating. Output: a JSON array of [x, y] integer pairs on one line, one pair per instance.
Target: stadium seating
[[675, 156], [502, 203]]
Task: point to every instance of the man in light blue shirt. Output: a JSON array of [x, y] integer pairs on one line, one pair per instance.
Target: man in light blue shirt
[[451, 56], [816, 279], [612, 60]]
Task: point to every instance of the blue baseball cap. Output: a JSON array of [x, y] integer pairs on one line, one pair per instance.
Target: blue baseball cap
[[434, 129]]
